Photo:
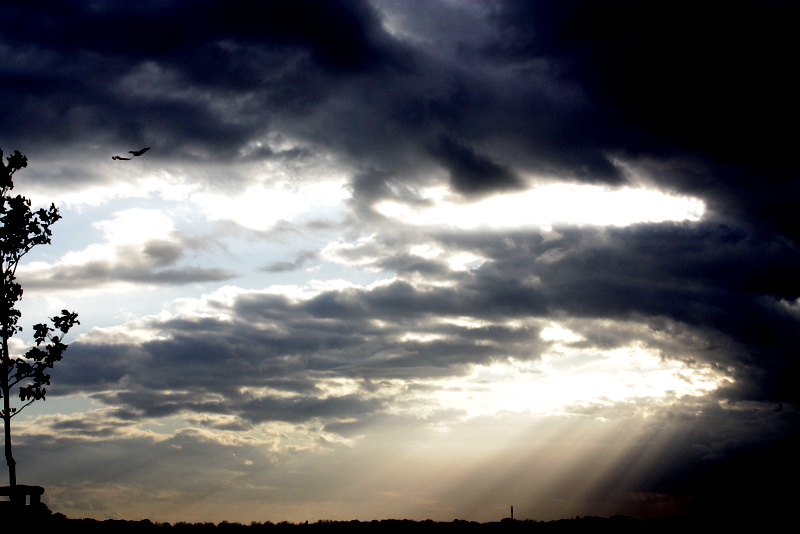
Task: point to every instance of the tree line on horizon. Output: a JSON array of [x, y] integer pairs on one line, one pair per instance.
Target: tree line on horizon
[[617, 524]]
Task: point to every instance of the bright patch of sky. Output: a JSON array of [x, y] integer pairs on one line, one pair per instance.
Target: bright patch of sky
[[568, 381], [260, 208], [546, 205]]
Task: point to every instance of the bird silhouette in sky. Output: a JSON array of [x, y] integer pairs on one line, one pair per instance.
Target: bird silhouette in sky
[[118, 157]]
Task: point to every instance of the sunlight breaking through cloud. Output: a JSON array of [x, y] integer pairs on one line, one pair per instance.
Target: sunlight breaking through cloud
[[547, 205], [606, 384]]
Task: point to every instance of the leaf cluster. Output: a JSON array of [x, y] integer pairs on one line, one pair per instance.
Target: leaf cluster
[[16, 161], [34, 365], [21, 229]]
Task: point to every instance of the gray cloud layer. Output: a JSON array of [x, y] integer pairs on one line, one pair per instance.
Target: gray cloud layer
[[479, 96]]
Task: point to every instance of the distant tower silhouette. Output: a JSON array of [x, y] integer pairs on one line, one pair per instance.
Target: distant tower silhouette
[[512, 513]]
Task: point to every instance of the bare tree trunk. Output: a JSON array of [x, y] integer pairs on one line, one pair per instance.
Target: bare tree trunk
[[12, 465], [5, 359]]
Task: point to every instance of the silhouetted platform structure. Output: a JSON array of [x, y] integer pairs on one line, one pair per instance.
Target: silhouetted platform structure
[[20, 495]]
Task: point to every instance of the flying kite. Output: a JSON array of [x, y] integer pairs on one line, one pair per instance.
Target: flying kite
[[134, 152]]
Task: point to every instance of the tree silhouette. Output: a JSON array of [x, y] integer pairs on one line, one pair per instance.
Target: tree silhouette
[[20, 230]]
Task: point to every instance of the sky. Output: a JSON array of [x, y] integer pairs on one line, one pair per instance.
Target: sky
[[410, 259]]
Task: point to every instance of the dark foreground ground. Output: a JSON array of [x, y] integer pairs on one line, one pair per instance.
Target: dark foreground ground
[[615, 525]]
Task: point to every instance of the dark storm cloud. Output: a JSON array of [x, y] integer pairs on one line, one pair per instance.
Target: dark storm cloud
[[472, 173], [179, 74], [709, 77], [293, 349], [674, 79], [739, 287], [211, 78], [556, 88], [304, 409]]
